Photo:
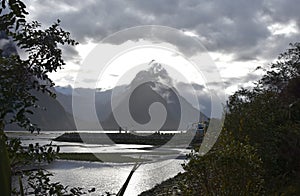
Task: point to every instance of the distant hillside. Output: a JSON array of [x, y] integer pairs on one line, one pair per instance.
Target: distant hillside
[[54, 117], [50, 116], [58, 114], [140, 98]]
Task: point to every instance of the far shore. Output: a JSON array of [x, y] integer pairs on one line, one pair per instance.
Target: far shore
[[101, 157], [155, 139], [115, 157]]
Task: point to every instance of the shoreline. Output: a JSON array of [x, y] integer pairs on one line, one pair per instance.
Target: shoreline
[[155, 139], [119, 157], [101, 157]]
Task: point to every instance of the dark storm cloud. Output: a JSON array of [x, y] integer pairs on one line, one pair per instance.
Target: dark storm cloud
[[71, 54], [283, 11], [88, 20], [237, 27]]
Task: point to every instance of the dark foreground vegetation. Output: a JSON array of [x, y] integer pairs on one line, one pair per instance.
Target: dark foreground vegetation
[[257, 153], [19, 79]]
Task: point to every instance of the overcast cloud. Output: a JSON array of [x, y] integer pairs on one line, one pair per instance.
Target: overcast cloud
[[223, 25], [246, 30]]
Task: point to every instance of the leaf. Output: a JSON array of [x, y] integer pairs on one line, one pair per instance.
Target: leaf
[[49, 150], [3, 4], [29, 111], [92, 190]]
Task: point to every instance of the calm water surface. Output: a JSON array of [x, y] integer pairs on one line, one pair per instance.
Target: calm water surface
[[110, 177], [105, 176]]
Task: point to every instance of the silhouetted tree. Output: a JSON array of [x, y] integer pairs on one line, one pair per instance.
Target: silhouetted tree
[[259, 147], [19, 77]]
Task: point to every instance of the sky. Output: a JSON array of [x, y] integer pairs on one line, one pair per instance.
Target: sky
[[238, 35]]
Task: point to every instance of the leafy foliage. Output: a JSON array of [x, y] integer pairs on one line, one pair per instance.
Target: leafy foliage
[[230, 168], [21, 156], [258, 150], [286, 68], [38, 183], [19, 77]]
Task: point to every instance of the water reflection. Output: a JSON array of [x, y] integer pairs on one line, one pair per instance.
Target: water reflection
[[110, 177]]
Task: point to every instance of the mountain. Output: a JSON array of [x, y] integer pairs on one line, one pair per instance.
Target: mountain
[[102, 100], [51, 115], [148, 87], [134, 100]]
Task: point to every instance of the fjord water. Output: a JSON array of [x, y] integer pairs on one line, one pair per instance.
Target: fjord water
[[104, 176], [110, 177]]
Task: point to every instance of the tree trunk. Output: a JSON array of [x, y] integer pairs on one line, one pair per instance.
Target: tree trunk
[[5, 171]]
